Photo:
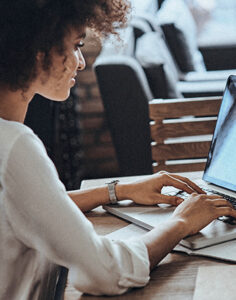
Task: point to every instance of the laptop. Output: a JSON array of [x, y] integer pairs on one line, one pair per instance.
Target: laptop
[[219, 177]]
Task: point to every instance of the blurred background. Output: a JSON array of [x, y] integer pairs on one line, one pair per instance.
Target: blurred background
[[77, 133]]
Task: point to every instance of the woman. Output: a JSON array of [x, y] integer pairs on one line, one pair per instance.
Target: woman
[[42, 226]]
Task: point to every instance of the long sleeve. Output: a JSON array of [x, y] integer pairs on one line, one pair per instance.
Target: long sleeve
[[44, 218]]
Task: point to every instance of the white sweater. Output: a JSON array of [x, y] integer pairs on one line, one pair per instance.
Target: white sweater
[[41, 228]]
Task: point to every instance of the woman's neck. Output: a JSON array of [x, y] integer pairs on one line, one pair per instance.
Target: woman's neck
[[14, 105]]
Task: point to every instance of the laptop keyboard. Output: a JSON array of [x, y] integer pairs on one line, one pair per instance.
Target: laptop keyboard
[[232, 200]]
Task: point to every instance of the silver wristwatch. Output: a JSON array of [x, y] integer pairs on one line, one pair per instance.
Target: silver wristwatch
[[111, 190]]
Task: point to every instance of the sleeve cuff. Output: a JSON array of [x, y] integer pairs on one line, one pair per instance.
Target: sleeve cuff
[[141, 264]]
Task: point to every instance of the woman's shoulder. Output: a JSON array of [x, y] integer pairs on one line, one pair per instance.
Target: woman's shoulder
[[13, 128], [10, 132]]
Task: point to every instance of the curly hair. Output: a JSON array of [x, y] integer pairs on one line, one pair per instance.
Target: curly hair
[[28, 27]]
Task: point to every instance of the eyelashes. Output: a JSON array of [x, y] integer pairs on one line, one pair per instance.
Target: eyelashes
[[79, 45]]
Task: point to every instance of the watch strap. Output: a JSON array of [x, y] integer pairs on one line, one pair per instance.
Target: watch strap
[[112, 192]]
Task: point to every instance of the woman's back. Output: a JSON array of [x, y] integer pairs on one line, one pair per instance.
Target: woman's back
[[24, 272]]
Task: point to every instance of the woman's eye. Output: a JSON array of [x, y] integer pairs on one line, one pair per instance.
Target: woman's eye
[[79, 45]]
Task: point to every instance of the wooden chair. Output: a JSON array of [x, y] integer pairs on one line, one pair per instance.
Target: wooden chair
[[181, 131]]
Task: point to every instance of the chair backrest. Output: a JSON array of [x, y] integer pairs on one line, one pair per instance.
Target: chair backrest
[[181, 132], [125, 94]]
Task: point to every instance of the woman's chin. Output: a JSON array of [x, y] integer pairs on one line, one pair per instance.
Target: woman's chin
[[61, 97]]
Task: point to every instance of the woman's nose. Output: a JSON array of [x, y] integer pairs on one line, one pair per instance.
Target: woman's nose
[[82, 63]]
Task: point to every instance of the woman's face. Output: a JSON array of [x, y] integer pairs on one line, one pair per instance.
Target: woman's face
[[56, 83]]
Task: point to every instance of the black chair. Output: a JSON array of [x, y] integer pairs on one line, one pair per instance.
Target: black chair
[[125, 93]]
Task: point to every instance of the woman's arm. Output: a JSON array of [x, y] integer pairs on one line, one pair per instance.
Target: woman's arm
[[90, 198], [42, 217], [145, 191], [161, 240]]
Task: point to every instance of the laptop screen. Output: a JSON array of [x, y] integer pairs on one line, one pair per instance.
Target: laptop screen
[[221, 163]]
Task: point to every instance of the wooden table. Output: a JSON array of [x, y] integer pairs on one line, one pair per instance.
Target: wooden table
[[174, 278]]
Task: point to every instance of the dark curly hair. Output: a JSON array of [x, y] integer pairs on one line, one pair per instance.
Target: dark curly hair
[[31, 26]]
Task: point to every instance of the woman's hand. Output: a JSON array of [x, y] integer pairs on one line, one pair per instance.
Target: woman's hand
[[148, 191], [188, 218], [199, 210]]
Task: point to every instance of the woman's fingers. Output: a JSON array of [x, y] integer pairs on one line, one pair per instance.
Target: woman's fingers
[[221, 206], [215, 200], [225, 211], [178, 183], [224, 208], [199, 210], [181, 182], [222, 202], [193, 185], [172, 200]]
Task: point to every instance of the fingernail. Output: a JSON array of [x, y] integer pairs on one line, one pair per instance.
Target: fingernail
[[179, 201]]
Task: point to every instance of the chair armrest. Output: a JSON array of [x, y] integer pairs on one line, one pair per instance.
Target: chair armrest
[[209, 75], [201, 88]]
